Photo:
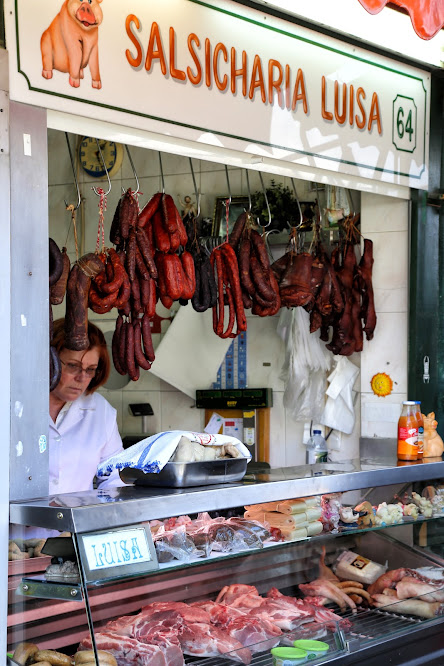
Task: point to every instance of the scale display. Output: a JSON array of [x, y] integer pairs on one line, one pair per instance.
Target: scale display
[[122, 552]]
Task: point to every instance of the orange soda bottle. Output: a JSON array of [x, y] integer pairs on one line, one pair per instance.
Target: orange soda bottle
[[408, 432], [420, 420]]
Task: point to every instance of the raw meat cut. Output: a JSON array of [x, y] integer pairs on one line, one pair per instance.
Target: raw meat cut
[[205, 640]]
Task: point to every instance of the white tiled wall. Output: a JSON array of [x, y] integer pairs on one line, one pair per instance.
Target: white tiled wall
[[383, 220]]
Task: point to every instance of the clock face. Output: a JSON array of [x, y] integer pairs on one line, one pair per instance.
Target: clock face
[[89, 156]]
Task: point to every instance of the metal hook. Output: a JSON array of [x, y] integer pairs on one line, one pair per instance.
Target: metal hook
[[134, 170], [249, 191], [161, 173], [196, 193], [266, 201], [106, 170], [350, 202], [228, 185], [79, 198], [299, 206]]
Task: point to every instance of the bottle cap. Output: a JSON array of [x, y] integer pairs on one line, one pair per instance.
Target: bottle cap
[[409, 402], [316, 432]]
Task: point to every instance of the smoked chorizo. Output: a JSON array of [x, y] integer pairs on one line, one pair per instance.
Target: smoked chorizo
[[128, 213], [58, 289], [55, 262], [149, 209], [168, 208], [161, 236], [147, 339], [76, 318], [141, 360], [118, 273], [115, 345], [130, 353], [145, 246]]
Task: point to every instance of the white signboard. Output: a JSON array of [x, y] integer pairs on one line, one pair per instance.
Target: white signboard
[[225, 75], [119, 552]]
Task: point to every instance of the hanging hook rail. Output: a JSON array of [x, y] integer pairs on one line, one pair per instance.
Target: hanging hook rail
[[196, 193], [298, 226], [106, 170], [266, 201], [134, 170], [161, 173], [79, 198], [249, 191], [228, 184]]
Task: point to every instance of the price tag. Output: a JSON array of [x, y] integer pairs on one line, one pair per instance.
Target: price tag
[[122, 552]]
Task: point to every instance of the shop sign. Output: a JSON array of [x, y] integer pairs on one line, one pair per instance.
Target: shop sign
[[125, 551], [224, 75]]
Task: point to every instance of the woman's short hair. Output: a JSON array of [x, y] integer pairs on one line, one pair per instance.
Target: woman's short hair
[[96, 339]]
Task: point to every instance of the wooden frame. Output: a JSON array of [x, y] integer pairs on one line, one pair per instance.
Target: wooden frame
[[237, 206]]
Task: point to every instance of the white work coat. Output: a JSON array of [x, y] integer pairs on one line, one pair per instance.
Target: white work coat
[[86, 436]]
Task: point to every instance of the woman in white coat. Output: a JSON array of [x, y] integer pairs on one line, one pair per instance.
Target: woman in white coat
[[82, 424]]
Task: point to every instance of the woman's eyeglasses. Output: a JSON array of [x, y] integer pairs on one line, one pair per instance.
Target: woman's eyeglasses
[[76, 369]]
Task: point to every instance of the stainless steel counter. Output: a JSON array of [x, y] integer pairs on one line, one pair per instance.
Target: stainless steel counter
[[102, 509]]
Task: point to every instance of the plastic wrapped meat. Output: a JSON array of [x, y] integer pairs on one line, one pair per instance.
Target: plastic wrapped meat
[[175, 545]]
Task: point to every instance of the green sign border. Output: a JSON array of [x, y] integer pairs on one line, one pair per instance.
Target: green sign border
[[234, 136]]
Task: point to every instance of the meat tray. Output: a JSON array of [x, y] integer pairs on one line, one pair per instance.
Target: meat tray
[[191, 474]]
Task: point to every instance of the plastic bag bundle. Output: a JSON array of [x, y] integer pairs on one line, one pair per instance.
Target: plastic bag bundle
[[306, 363]]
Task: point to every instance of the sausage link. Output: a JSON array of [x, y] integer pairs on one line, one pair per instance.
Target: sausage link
[[118, 273], [128, 213], [188, 275], [131, 255], [261, 279], [147, 339], [145, 246], [238, 229], [55, 262], [150, 308], [114, 232], [232, 270], [174, 241], [129, 353], [244, 266], [145, 290], [141, 360], [115, 345], [161, 236], [173, 276], [260, 249], [58, 289], [183, 236], [77, 292], [98, 303], [168, 208], [124, 292], [149, 209], [122, 346], [141, 266], [218, 309], [228, 333]]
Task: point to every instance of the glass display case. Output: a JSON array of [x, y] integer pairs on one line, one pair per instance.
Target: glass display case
[[214, 596]]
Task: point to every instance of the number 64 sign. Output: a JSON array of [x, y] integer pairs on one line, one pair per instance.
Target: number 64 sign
[[404, 123]]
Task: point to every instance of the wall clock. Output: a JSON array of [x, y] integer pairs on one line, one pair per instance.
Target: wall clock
[[89, 156]]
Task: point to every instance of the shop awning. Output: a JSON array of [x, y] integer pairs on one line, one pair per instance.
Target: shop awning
[[427, 15]]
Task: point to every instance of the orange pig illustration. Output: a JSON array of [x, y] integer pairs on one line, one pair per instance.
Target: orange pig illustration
[[71, 41]]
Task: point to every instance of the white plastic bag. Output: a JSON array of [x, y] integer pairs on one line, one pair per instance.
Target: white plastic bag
[[306, 363], [339, 412]]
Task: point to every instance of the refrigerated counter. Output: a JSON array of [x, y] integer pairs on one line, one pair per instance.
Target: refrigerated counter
[[59, 616]]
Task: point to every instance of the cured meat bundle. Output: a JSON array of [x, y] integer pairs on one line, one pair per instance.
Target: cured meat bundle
[[260, 291], [336, 290]]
